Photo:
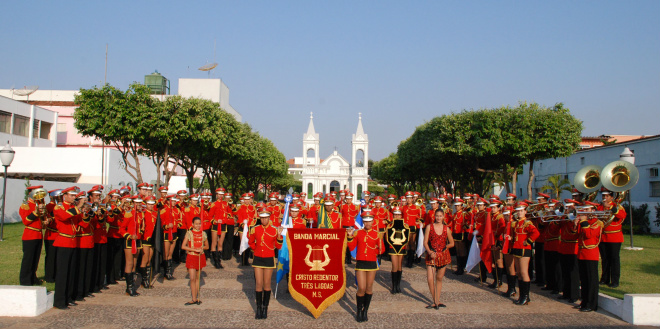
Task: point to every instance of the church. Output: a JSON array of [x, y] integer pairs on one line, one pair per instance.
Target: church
[[334, 173]]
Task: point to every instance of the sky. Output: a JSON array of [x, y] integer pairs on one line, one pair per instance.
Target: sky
[[399, 63]]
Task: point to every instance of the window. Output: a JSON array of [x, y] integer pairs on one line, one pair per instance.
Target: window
[[5, 122], [359, 191], [653, 172], [582, 161], [35, 129], [655, 189], [310, 191], [323, 189], [45, 130], [61, 127], [21, 125]]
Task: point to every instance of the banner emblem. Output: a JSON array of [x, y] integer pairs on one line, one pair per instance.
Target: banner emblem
[[317, 277]]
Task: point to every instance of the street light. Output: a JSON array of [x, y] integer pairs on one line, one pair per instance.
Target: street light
[[629, 156], [6, 156]]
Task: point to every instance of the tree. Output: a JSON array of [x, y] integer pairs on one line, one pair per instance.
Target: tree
[[556, 184], [122, 119]]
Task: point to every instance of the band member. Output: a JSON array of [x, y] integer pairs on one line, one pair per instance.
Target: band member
[[349, 212], [498, 226], [551, 252], [398, 239], [295, 220], [115, 239], [507, 252], [51, 235], [170, 216], [132, 228], [35, 218], [568, 251], [610, 246], [429, 217], [67, 217], [264, 239], [539, 244], [218, 215], [207, 220], [85, 249], [314, 210], [329, 217], [150, 217], [382, 218], [246, 214], [524, 235], [414, 216], [437, 255], [99, 231], [458, 224], [180, 254], [479, 221], [369, 246], [195, 242], [589, 235]]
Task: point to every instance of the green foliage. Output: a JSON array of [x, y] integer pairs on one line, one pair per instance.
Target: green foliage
[[556, 184], [640, 218], [188, 132], [657, 215]]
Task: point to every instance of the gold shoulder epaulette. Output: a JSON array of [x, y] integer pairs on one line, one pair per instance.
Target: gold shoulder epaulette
[[25, 206], [128, 214], [162, 211]]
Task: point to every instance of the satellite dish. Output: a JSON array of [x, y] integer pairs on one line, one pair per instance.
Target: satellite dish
[[208, 67], [25, 91]]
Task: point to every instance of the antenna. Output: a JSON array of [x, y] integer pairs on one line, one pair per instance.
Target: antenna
[[25, 91]]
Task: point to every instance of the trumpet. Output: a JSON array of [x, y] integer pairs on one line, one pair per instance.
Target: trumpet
[[419, 202]]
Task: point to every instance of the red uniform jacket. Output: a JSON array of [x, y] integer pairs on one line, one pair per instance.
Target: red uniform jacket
[[67, 219], [247, 212], [298, 222], [276, 213], [189, 213], [335, 218], [219, 212], [368, 245], [552, 236], [348, 213], [170, 215], [150, 218], [524, 231], [85, 232], [51, 228], [589, 233], [115, 217], [263, 240], [612, 233], [382, 217], [313, 214], [132, 224], [479, 222], [498, 225], [32, 222], [568, 238], [457, 222], [99, 228], [412, 214]]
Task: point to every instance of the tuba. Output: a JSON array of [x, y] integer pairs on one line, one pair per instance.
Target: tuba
[[39, 197], [588, 181], [619, 176]]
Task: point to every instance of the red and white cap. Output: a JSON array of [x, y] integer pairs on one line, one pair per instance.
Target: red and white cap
[[367, 216]]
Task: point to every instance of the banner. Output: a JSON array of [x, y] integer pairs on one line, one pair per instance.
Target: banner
[[317, 277]]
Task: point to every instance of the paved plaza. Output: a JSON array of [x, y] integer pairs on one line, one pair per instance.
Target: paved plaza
[[228, 301]]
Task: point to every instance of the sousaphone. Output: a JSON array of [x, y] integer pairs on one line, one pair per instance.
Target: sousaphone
[[619, 176], [587, 179]]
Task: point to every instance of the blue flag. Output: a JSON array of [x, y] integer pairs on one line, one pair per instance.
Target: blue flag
[[283, 255]]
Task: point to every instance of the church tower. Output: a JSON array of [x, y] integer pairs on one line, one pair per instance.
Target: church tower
[[359, 160], [311, 143]]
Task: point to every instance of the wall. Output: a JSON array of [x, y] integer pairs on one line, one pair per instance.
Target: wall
[[211, 89], [32, 112]]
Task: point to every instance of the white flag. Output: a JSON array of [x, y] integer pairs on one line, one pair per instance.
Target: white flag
[[420, 241], [474, 257], [244, 239]]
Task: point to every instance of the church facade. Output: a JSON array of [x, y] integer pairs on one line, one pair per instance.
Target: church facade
[[335, 173]]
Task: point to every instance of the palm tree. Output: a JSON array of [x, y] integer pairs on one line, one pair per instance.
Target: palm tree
[[556, 184]]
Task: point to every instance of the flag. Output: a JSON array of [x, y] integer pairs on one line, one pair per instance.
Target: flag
[[420, 241], [323, 221], [359, 224], [474, 257], [283, 254], [487, 243], [245, 244]]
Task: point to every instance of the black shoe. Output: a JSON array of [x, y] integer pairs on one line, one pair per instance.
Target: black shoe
[[367, 302], [441, 305], [432, 306], [572, 301], [72, 304], [562, 297], [493, 285], [260, 295], [394, 274], [62, 307], [398, 281], [613, 285], [359, 300], [191, 303], [90, 295], [586, 309], [555, 292], [264, 307]]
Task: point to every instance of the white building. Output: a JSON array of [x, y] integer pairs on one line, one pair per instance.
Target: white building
[[28, 125], [334, 173], [647, 161]]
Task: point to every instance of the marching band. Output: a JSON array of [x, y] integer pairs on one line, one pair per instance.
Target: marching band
[[93, 241]]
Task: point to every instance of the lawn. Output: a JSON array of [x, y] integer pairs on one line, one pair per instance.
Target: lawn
[[640, 270]]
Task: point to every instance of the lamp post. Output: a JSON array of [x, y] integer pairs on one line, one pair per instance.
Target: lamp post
[[6, 156], [628, 156]]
